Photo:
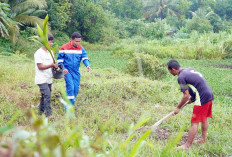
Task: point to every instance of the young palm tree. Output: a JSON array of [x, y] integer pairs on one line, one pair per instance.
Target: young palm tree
[[25, 12], [157, 8], [203, 13]]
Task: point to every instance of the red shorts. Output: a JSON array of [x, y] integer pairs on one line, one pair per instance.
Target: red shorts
[[201, 113]]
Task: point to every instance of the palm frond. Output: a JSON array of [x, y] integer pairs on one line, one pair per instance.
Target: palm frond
[[28, 11], [36, 39], [149, 13], [25, 13], [44, 36], [162, 8], [209, 14], [7, 24], [5, 21], [39, 12], [13, 31], [30, 20], [41, 4], [158, 12], [3, 30], [170, 11], [5, 7], [193, 14]]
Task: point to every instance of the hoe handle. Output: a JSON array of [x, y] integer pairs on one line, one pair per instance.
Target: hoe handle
[[154, 126]]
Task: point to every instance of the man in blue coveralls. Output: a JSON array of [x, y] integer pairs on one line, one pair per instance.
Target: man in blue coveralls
[[70, 57]]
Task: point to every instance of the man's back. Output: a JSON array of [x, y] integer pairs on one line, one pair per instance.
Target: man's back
[[191, 76]]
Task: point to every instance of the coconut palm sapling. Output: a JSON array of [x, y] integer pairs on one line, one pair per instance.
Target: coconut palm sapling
[[43, 39]]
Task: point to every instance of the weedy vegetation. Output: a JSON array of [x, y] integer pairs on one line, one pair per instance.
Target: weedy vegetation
[[128, 44], [111, 105]]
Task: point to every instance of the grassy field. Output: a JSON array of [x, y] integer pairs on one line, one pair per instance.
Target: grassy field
[[108, 109]]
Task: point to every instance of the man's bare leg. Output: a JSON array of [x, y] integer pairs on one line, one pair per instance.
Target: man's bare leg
[[204, 129], [191, 135]]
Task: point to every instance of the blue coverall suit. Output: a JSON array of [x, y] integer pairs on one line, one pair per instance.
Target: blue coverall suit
[[71, 57]]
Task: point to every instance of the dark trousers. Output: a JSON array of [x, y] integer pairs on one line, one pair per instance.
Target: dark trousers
[[44, 106]]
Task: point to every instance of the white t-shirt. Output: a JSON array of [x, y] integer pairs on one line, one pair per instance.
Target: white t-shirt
[[43, 76]]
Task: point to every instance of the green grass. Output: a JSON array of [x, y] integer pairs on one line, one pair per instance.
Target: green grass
[[109, 104], [103, 59], [217, 76]]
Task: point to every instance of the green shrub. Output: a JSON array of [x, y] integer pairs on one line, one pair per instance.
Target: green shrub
[[60, 38], [4, 44], [123, 52], [94, 46], [176, 21], [135, 27], [109, 35], [181, 35], [227, 45], [25, 47], [27, 32], [198, 24], [152, 30], [145, 65], [216, 22], [194, 46], [5, 53], [158, 29]]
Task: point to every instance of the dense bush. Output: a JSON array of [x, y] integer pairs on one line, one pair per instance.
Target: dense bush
[[90, 20], [227, 46], [28, 32], [123, 9], [136, 27], [198, 24], [216, 22], [123, 52], [151, 30], [60, 38], [181, 35], [145, 65], [176, 22], [182, 45], [4, 45], [60, 14]]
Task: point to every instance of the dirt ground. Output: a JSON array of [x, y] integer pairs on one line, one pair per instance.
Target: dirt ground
[[163, 134]]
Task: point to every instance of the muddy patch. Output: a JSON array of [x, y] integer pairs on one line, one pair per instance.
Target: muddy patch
[[184, 139], [25, 85], [164, 134], [5, 148], [83, 85]]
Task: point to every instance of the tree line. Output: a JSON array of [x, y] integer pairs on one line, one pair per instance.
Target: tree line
[[106, 21]]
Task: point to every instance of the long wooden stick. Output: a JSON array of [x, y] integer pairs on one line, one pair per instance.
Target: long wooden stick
[[154, 126]]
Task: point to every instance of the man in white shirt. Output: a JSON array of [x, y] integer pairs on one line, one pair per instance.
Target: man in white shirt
[[43, 76]]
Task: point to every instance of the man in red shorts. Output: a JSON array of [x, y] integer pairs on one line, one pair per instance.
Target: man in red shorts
[[186, 77]]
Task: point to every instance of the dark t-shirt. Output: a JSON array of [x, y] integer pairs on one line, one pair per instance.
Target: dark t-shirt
[[194, 78]]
